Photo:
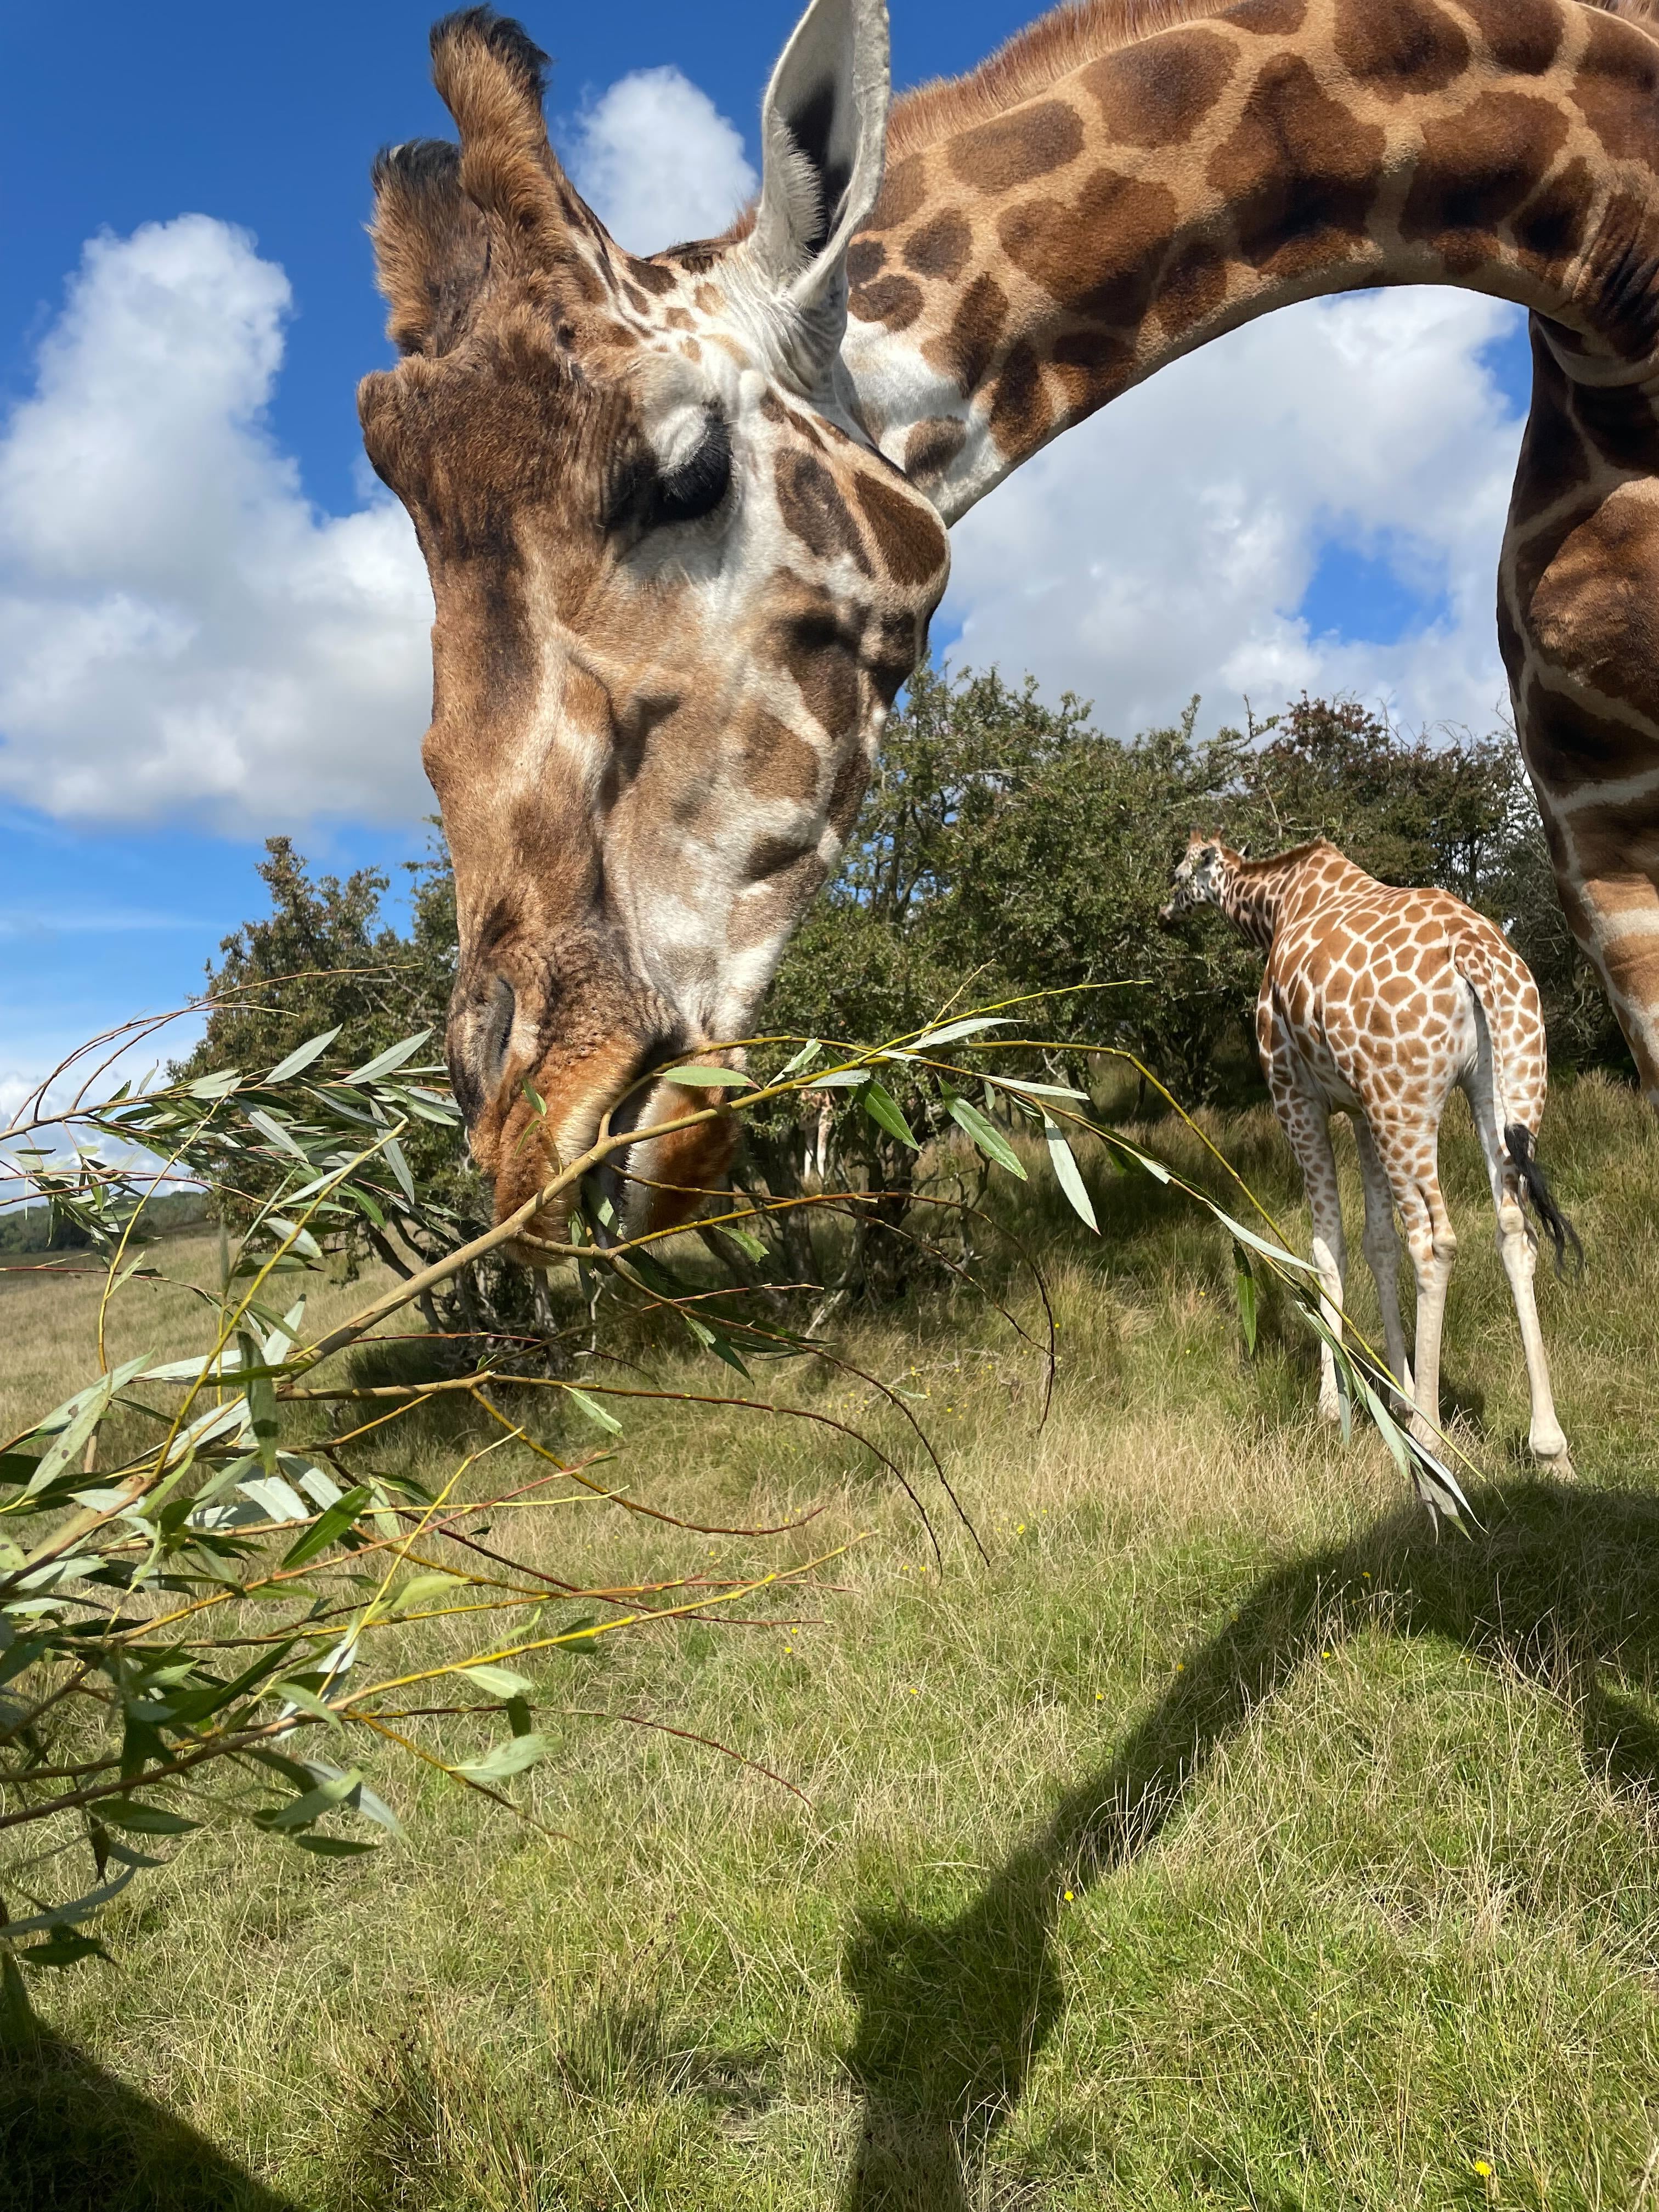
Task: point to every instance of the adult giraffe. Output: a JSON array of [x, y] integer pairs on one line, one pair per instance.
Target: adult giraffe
[[684, 516]]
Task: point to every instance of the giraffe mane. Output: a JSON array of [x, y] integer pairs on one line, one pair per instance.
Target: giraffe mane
[[1063, 41]]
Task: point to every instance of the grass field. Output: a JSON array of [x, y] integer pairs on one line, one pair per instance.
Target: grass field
[[1226, 1841]]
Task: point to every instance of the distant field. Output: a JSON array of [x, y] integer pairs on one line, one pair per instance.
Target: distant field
[[1227, 1841]]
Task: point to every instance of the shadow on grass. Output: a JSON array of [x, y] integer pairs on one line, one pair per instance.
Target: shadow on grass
[[1562, 1584], [73, 2139]]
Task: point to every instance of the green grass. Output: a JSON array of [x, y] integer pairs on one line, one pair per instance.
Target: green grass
[[1227, 1841]]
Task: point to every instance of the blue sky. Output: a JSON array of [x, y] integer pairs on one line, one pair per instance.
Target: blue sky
[[1316, 500]]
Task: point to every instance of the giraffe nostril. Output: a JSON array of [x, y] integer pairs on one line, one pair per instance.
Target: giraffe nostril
[[480, 1032]]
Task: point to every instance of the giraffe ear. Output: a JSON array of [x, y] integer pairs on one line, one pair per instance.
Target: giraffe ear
[[430, 245], [823, 134]]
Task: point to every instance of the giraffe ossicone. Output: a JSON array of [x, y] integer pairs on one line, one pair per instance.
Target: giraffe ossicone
[[685, 514], [1376, 1003]]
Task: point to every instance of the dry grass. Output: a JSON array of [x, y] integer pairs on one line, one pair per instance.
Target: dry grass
[[1225, 1841]]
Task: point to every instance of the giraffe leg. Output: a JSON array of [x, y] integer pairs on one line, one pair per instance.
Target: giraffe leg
[[1519, 1254], [1433, 1246], [1381, 1250], [1306, 1122]]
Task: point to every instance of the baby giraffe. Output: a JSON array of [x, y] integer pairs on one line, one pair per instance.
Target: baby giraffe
[[1375, 1002]]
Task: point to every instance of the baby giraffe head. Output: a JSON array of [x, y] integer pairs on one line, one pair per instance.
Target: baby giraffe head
[[675, 586], [1197, 879]]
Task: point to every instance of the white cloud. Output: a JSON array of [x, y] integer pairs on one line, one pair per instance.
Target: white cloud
[[180, 631], [1163, 547], [658, 162]]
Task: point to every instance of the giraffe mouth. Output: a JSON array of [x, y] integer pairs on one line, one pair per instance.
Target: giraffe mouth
[[655, 1180]]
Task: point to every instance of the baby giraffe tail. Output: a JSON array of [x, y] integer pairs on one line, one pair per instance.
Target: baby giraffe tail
[[1518, 1142]]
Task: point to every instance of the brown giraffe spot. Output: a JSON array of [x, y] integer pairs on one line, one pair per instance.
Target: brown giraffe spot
[[775, 763], [1568, 743], [775, 411], [1093, 366], [1100, 257], [964, 353], [1192, 289], [847, 793], [813, 510], [1549, 228], [636, 299], [1019, 411], [1523, 35], [652, 275], [1591, 608], [1158, 94], [818, 652], [709, 298], [1269, 18], [931, 448], [1616, 85], [909, 538], [1619, 425], [676, 318], [1476, 169], [1554, 454], [865, 258], [903, 190], [1619, 840], [1401, 49], [894, 300], [1000, 156], [1298, 167], [940, 247], [769, 856], [892, 650]]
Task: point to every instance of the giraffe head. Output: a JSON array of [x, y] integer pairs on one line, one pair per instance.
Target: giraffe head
[[675, 586], [1198, 878]]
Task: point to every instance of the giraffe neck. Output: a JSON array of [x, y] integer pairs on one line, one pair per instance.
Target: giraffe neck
[[1029, 262], [1259, 896]]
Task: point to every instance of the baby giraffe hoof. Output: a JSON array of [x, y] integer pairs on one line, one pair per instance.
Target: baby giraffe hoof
[[1556, 1464]]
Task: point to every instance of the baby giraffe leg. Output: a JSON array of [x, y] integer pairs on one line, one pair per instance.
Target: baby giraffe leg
[[1307, 1124], [1515, 1247], [1433, 1246], [1381, 1249]]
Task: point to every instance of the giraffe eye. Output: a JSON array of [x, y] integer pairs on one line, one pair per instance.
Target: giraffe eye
[[696, 485]]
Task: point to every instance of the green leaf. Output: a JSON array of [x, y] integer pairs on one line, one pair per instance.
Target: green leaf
[[268, 1127], [507, 1759], [594, 1410], [499, 1681], [1244, 1283], [986, 1134], [1068, 1173], [879, 1103], [1018, 1083], [333, 1847], [75, 1421], [970, 1025], [808, 1052], [330, 1527], [362, 1799], [141, 1819], [301, 1812], [707, 1078], [394, 1056], [297, 1693], [279, 1501], [423, 1587], [745, 1240], [302, 1056]]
